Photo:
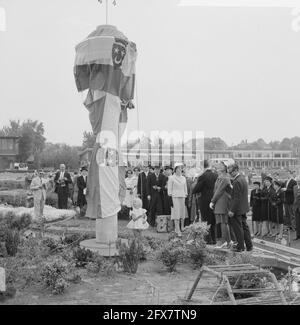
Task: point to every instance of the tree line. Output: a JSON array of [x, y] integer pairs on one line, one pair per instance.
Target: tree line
[[33, 144]]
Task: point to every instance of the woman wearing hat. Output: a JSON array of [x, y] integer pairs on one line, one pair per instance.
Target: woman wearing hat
[[255, 206], [38, 187], [266, 206], [177, 189], [131, 185]]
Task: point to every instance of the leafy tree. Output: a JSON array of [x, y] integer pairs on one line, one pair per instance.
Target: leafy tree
[[32, 140], [89, 139], [56, 154]]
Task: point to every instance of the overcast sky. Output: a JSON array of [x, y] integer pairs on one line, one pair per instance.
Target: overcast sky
[[230, 72]]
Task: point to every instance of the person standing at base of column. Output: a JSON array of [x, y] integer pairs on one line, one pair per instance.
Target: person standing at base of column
[[239, 207], [296, 207], [177, 189]]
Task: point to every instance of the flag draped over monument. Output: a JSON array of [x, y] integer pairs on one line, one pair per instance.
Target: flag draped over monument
[[105, 71]]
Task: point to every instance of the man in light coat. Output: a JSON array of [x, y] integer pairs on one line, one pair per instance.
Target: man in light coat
[[38, 187]]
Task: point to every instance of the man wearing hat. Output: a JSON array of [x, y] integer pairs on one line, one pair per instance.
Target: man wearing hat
[[296, 207], [255, 206], [239, 207], [82, 185]]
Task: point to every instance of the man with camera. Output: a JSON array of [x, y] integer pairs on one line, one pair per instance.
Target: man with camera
[[62, 180]]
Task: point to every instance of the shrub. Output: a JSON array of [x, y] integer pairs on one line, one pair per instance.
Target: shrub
[[244, 258], [154, 243], [214, 259], [197, 255], [82, 256], [9, 218], [100, 264], [11, 184], [197, 232], [21, 222], [74, 239], [16, 198], [8, 293], [52, 244], [171, 254], [129, 255], [54, 276]]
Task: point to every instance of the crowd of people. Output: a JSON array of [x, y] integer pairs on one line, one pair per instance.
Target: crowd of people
[[218, 195]]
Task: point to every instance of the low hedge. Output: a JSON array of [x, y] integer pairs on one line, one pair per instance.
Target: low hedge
[[16, 198], [11, 184], [23, 198]]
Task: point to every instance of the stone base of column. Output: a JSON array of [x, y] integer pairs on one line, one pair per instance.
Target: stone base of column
[[106, 237]]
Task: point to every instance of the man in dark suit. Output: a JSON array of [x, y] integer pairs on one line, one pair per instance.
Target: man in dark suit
[[142, 187], [62, 180], [82, 185], [166, 199], [296, 206], [239, 206], [154, 194], [205, 185], [289, 199]]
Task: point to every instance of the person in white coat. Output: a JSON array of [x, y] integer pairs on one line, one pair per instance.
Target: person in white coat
[[131, 185], [38, 187], [177, 189]]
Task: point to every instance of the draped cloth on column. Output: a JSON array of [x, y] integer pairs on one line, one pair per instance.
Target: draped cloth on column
[[105, 70]]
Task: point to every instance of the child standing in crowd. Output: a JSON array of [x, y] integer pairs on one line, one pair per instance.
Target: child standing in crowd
[[255, 205], [138, 221]]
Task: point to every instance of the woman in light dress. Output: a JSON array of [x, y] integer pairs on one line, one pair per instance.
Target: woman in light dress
[[177, 189], [138, 216], [38, 187], [131, 188]]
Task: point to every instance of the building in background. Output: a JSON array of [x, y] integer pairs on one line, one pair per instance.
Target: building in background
[[9, 151], [254, 159]]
